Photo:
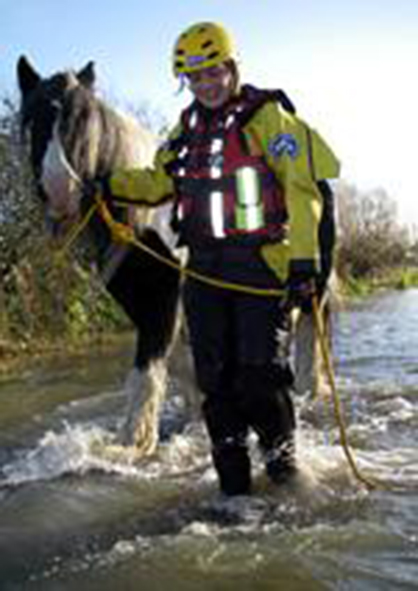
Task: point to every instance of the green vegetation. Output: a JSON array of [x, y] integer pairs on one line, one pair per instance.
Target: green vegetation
[[398, 278], [46, 301], [374, 250], [406, 278]]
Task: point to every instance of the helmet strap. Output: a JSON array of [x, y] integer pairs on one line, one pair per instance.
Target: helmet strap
[[182, 84]]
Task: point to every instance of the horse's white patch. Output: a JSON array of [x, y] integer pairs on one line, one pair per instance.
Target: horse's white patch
[[59, 181], [142, 145], [145, 391]]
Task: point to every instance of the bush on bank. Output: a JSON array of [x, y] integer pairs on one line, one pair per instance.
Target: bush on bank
[[373, 250], [43, 297]]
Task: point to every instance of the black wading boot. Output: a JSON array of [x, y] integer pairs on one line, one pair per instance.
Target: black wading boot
[[280, 461], [233, 466]]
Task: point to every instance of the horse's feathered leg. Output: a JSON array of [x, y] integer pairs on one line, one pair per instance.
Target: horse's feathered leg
[[148, 292], [145, 390]]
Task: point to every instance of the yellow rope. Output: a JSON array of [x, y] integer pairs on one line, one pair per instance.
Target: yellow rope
[[319, 327], [74, 231], [125, 234]]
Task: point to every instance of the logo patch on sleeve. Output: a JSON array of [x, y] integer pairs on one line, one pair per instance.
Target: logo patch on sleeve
[[284, 143]]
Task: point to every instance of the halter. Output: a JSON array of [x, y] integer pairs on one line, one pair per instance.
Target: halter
[[57, 155]]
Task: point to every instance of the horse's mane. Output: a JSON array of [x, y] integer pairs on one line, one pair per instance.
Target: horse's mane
[[97, 138]]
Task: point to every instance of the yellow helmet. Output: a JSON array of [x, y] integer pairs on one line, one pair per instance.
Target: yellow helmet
[[201, 46]]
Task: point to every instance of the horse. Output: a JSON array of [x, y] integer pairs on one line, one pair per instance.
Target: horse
[[75, 138]]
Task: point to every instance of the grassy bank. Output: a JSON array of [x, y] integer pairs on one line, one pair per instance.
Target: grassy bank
[[399, 278], [48, 310], [18, 356]]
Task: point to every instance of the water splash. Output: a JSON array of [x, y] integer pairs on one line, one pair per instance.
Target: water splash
[[80, 448], [71, 451]]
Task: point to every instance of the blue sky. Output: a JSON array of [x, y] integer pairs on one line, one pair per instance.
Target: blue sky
[[349, 65]]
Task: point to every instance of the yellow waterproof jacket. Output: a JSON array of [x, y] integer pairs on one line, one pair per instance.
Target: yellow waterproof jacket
[[297, 155]]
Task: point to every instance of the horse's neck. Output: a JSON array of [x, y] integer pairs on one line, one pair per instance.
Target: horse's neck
[[119, 143]]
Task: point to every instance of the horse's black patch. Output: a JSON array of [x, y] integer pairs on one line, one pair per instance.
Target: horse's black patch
[[42, 101]]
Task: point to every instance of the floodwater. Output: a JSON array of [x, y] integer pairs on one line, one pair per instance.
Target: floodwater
[[72, 518]]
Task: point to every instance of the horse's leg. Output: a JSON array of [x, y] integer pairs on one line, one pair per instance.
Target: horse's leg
[[148, 292], [145, 389]]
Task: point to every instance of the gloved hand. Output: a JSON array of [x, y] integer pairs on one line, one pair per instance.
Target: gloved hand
[[301, 288], [90, 190], [92, 187], [119, 224]]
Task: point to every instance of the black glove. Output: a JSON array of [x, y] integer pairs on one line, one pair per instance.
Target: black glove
[[301, 288], [92, 188]]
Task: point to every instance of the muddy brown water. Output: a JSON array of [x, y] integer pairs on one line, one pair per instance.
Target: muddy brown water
[[72, 518]]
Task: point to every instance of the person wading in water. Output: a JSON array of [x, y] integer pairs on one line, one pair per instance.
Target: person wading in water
[[242, 171]]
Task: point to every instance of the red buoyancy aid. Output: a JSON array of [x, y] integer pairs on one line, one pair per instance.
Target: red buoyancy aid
[[223, 192]]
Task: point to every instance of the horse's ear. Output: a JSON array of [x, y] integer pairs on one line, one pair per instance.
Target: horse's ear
[[87, 75], [27, 77]]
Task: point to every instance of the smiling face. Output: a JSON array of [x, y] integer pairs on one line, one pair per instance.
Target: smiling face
[[213, 86]]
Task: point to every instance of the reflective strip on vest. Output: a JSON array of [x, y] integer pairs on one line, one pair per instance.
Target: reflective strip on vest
[[223, 190], [249, 213], [217, 197], [217, 214]]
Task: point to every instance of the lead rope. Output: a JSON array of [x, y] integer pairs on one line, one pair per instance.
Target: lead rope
[[125, 234], [338, 414], [74, 231]]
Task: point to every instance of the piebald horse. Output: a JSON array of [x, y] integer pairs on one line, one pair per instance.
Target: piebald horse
[[75, 138]]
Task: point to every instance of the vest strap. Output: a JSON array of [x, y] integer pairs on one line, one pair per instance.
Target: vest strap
[[204, 186]]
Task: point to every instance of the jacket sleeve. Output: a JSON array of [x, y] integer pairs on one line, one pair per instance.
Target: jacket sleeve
[[145, 186], [299, 157]]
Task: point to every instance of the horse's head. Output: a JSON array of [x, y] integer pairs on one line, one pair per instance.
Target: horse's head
[[53, 113]]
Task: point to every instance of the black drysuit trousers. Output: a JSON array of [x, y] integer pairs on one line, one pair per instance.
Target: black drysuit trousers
[[244, 381]]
